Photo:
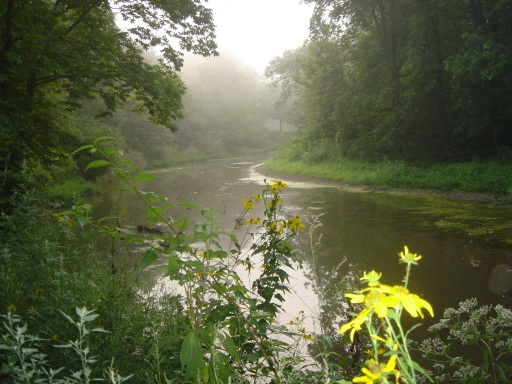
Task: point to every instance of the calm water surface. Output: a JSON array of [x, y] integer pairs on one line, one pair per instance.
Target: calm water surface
[[466, 246]]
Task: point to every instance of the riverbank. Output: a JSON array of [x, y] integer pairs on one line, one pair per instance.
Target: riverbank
[[400, 178]]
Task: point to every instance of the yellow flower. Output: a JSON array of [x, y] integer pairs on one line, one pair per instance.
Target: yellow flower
[[257, 197], [276, 226], [374, 370], [249, 264], [380, 351], [371, 277], [411, 302], [248, 204], [252, 221], [277, 186], [309, 337], [407, 257], [295, 224], [275, 201], [373, 302], [355, 323]]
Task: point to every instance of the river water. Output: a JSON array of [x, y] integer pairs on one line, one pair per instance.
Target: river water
[[466, 246]]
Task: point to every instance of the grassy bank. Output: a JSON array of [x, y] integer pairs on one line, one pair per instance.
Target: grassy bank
[[476, 176]]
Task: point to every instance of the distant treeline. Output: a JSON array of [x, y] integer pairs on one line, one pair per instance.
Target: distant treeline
[[418, 80]]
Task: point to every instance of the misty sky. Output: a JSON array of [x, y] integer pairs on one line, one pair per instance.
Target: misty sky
[[258, 30]]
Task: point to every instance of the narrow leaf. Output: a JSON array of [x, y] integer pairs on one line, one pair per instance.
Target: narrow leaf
[[82, 148], [142, 177], [97, 164]]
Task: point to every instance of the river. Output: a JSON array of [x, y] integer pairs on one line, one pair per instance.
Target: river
[[466, 246]]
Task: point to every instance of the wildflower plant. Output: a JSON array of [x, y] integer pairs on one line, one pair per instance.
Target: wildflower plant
[[231, 321], [390, 358], [471, 344], [26, 363]]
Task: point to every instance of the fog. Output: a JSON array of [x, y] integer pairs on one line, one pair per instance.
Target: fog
[[228, 108]]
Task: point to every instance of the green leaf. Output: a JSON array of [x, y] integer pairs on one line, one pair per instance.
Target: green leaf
[[215, 254], [418, 368], [153, 198], [191, 354], [188, 204], [149, 258], [237, 288], [82, 148], [173, 266], [103, 138], [230, 346], [142, 177], [97, 164], [182, 224], [219, 367]]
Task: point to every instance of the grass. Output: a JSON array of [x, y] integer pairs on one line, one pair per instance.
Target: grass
[[476, 176]]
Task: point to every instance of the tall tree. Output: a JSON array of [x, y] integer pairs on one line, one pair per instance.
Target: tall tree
[[481, 76], [54, 53], [428, 80]]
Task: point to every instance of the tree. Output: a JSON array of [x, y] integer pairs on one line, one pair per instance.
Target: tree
[[481, 76], [418, 80], [55, 53]]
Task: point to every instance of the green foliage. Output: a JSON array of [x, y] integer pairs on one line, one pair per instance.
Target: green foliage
[[56, 54], [24, 362], [227, 317], [427, 80], [465, 332], [222, 327], [476, 176]]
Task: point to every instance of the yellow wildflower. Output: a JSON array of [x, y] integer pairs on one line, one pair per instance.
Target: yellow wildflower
[[257, 197], [295, 224], [309, 337], [411, 302], [374, 370], [276, 226], [252, 221], [373, 302], [249, 264], [275, 201], [248, 204], [355, 323], [408, 257], [372, 278], [277, 186]]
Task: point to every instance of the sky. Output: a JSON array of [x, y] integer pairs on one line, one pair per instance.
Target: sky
[[259, 30]]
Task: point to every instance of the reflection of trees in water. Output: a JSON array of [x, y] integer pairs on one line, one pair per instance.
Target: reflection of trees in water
[[330, 283]]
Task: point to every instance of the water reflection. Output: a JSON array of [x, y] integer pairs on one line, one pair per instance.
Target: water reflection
[[465, 246]]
